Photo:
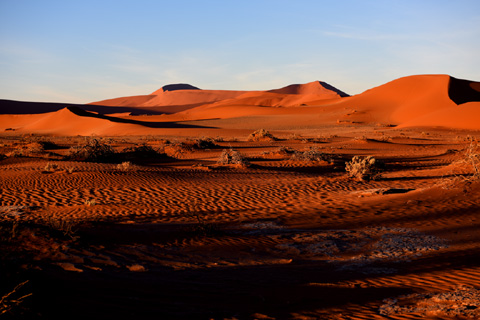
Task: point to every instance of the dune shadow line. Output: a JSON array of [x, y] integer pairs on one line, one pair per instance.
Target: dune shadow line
[[148, 124]]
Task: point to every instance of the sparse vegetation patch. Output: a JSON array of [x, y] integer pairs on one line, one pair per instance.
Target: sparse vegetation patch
[[261, 135], [311, 154], [230, 156], [94, 150], [367, 168]]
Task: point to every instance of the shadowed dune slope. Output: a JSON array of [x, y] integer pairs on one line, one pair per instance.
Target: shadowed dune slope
[[463, 91]]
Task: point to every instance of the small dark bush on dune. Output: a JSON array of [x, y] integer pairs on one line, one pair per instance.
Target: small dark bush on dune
[[205, 143], [261, 135], [230, 156], [367, 168], [310, 155], [142, 151], [197, 144], [94, 150]]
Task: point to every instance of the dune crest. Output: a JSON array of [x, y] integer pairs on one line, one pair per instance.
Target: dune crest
[[175, 87], [311, 88]]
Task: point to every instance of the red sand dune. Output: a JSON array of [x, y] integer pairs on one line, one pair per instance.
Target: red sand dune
[[414, 101], [423, 100]]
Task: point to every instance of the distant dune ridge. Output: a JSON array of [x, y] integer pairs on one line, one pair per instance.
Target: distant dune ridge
[[175, 87], [316, 87], [421, 100]]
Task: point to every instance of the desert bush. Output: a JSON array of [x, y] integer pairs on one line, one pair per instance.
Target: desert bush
[[471, 158], [9, 303], [35, 147], [196, 144], [50, 167], [125, 166], [90, 202], [205, 143], [65, 227], [367, 168], [93, 150], [280, 151], [261, 135], [141, 151], [8, 231], [17, 152], [310, 155], [230, 156], [202, 226], [469, 164]]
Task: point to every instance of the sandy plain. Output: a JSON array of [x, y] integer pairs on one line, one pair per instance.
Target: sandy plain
[[286, 234]]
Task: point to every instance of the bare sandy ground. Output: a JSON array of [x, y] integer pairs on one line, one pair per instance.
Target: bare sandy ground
[[177, 235]]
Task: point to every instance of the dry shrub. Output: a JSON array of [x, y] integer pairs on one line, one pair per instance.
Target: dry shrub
[[197, 144], [230, 156], [9, 303], [35, 148], [367, 168], [125, 166], [141, 151], [90, 202], [64, 227], [205, 143], [472, 159], [281, 151], [202, 227], [310, 155], [93, 150], [8, 231], [31, 146], [50, 167], [469, 164], [261, 135]]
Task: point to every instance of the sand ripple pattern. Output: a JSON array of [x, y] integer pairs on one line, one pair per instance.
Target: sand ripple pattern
[[163, 194]]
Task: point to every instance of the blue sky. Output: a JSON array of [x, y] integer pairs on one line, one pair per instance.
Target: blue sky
[[83, 51]]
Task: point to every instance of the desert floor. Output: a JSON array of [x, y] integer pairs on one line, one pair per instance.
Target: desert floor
[[287, 237]]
